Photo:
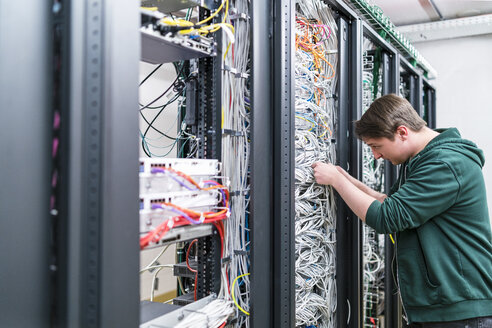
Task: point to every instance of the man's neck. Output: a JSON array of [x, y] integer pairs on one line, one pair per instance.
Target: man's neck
[[423, 138]]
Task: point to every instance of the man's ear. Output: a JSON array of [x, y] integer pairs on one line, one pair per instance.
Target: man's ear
[[402, 132]]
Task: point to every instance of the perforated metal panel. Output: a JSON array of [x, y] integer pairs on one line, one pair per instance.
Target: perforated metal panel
[[92, 170], [284, 307]]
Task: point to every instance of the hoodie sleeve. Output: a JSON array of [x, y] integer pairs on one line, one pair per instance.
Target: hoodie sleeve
[[430, 190]]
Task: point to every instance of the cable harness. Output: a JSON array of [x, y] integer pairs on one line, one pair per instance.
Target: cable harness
[[235, 158], [315, 117]]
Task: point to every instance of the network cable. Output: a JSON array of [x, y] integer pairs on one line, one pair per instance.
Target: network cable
[[315, 116], [235, 160]]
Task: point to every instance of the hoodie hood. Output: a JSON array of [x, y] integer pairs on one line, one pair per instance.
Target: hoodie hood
[[451, 139]]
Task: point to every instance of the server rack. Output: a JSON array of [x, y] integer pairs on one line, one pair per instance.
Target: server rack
[[389, 69], [348, 226], [203, 117]]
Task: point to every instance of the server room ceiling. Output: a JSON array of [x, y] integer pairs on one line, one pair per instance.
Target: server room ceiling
[[409, 12]]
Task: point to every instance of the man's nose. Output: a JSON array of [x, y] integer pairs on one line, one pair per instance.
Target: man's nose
[[376, 154]]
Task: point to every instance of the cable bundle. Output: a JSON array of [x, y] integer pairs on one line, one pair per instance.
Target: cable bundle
[[235, 160], [315, 117], [214, 314], [403, 90], [170, 24], [157, 143], [373, 176]]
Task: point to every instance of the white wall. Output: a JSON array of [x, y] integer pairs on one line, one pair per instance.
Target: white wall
[[464, 91]]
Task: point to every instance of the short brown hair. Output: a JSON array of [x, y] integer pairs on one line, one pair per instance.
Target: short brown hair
[[385, 115]]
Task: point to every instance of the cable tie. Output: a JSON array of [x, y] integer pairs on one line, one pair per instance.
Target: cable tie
[[241, 252], [202, 218], [156, 263], [233, 133], [235, 72], [225, 260], [230, 69], [241, 75], [238, 192], [239, 16]]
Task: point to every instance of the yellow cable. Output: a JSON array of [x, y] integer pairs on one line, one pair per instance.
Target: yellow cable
[[305, 119], [214, 14], [222, 120], [204, 30], [227, 50], [226, 11], [177, 22], [392, 240], [232, 293]]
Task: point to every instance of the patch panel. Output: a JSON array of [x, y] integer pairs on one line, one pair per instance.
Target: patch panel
[[189, 166], [160, 46], [199, 201], [162, 175]]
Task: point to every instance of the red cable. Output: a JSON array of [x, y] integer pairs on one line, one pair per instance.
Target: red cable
[[159, 232], [220, 228], [208, 217], [190, 268], [188, 255]]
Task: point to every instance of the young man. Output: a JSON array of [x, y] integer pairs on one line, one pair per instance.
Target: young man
[[437, 208]]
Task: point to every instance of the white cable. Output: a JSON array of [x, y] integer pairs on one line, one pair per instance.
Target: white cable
[[235, 157], [315, 220], [212, 315]]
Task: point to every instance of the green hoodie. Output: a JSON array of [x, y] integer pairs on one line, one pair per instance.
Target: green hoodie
[[438, 207]]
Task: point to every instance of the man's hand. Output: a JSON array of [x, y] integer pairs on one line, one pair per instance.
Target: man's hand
[[326, 174], [350, 189]]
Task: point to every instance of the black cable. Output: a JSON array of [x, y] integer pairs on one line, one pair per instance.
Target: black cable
[[156, 129], [178, 87], [152, 122], [151, 73], [167, 90]]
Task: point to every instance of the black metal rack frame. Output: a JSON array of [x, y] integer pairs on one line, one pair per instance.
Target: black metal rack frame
[[415, 84], [429, 106], [390, 68]]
